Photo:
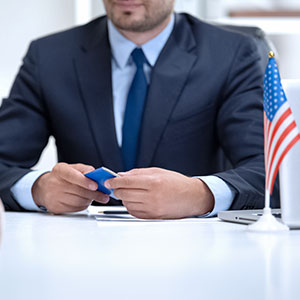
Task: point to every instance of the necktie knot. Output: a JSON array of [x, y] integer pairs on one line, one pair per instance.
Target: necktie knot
[[138, 57]]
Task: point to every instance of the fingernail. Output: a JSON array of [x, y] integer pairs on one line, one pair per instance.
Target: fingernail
[[107, 184], [93, 186]]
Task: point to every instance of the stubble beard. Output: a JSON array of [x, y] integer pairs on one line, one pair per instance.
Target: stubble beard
[[149, 21]]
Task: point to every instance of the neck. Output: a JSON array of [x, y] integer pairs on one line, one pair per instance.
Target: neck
[[140, 38]]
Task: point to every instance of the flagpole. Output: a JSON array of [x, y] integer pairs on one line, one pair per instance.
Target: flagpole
[[267, 200], [267, 209]]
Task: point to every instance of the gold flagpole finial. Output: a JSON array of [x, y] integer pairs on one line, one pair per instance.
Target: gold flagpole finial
[[271, 54]]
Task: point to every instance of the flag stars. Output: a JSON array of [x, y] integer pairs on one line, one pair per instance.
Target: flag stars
[[274, 96]]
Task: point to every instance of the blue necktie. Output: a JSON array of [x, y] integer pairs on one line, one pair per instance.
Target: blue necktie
[[134, 111]]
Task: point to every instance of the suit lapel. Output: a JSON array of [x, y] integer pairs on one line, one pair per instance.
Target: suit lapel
[[93, 66], [168, 78]]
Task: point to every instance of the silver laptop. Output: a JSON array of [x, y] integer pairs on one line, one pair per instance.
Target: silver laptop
[[289, 175]]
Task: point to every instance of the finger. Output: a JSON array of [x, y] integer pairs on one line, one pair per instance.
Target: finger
[[71, 203], [69, 209], [74, 176], [136, 210], [86, 194], [131, 195], [141, 171], [132, 181], [75, 201], [140, 214], [103, 200], [132, 206], [145, 215]]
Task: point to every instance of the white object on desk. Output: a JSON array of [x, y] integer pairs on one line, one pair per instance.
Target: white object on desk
[[70, 257]]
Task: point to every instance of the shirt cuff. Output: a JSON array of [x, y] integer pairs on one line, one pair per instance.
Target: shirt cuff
[[21, 190], [221, 191]]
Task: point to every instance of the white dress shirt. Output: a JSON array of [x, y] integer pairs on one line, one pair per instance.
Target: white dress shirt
[[123, 70]]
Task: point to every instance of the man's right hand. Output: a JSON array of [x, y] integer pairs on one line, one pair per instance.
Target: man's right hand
[[66, 189]]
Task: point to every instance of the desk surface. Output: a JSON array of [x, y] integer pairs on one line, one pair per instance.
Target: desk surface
[[75, 257]]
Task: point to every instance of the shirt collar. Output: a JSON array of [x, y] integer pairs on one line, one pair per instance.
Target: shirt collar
[[122, 47]]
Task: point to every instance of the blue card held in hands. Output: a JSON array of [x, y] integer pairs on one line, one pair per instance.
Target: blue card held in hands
[[100, 176]]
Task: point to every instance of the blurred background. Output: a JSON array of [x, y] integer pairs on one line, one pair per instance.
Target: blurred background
[[21, 22]]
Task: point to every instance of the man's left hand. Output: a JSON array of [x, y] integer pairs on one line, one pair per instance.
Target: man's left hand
[[154, 193]]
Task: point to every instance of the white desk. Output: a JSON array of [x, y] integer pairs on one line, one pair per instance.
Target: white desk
[[72, 257]]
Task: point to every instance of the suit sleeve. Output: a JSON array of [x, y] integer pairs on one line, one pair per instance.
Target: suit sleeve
[[240, 128], [24, 130]]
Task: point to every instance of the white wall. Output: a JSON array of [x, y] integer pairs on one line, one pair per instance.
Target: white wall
[[97, 8], [22, 21]]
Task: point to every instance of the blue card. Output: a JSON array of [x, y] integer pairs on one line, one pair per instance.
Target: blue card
[[100, 176]]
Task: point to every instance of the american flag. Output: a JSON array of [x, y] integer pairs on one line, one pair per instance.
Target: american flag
[[280, 130]]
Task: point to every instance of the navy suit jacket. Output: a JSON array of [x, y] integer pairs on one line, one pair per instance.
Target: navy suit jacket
[[205, 97]]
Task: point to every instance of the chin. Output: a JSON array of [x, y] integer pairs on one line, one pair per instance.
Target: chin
[[129, 22]]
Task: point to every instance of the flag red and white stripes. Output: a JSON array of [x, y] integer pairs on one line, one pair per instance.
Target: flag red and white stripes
[[280, 129]]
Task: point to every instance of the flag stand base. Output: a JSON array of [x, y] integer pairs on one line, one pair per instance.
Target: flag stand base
[[267, 222]]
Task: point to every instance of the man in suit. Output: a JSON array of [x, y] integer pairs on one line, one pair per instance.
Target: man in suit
[[201, 95]]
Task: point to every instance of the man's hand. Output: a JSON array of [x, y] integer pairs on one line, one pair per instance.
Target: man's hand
[[66, 189], [155, 193]]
